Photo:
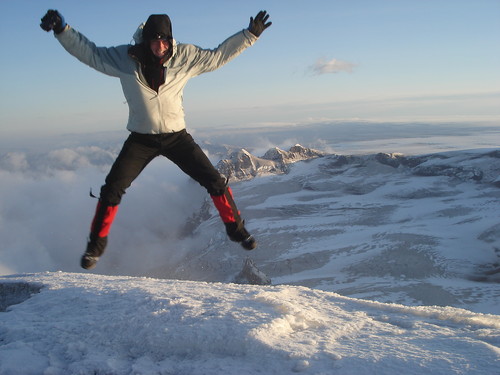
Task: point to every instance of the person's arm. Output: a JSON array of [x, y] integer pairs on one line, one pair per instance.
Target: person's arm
[[205, 60], [111, 61]]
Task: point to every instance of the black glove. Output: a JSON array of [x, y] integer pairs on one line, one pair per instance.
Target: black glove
[[53, 20], [258, 25]]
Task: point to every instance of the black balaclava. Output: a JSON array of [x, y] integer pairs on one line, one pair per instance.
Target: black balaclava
[[158, 26]]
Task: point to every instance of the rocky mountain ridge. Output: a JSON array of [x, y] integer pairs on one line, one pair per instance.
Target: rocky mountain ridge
[[242, 165]]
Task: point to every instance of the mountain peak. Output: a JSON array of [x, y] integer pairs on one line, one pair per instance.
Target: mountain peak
[[242, 165]]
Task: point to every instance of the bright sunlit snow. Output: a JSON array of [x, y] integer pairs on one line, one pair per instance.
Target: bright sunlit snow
[[90, 324]]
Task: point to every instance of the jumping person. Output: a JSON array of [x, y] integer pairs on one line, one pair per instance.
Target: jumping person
[[153, 73]]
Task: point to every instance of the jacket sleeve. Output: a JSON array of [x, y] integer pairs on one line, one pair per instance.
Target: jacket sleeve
[[111, 61], [207, 60]]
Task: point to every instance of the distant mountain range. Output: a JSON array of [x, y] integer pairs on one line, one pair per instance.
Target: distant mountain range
[[241, 165]]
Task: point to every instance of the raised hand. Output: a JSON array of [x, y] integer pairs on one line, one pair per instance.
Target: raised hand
[[258, 25], [53, 20]]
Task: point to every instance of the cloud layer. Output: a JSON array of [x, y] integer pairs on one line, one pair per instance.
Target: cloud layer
[[46, 211]]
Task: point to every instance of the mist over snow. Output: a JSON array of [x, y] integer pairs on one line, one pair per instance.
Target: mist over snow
[[46, 218], [393, 217]]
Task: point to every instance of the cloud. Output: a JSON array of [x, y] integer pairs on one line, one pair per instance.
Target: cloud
[[14, 161], [63, 159], [323, 66], [45, 212]]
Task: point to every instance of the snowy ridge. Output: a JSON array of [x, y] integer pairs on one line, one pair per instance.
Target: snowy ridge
[[460, 165], [93, 324], [242, 165], [408, 229]]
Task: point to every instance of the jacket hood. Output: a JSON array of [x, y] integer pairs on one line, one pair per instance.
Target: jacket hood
[[139, 35], [139, 52], [158, 26]]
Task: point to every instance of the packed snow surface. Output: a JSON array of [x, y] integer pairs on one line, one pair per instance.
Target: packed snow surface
[[92, 324]]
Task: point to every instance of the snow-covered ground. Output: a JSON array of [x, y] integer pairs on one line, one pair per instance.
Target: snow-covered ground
[[381, 228], [90, 324], [417, 230], [380, 263]]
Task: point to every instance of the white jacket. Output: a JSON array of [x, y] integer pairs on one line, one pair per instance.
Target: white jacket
[[151, 112]]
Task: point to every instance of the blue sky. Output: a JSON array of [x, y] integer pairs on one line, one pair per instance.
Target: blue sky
[[321, 60]]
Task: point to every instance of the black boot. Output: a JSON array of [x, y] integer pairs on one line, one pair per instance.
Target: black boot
[[237, 233], [98, 238], [95, 248]]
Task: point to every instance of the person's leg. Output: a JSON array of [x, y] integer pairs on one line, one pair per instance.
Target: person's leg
[[136, 153], [235, 226], [187, 154]]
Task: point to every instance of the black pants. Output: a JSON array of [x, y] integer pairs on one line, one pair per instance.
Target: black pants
[[139, 149]]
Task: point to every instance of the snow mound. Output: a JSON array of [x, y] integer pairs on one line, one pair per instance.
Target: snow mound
[[92, 324]]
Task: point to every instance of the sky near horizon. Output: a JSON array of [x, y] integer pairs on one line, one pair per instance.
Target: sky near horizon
[[321, 60]]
